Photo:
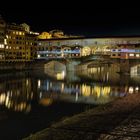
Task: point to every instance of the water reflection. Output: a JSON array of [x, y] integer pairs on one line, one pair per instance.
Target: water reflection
[[96, 85], [16, 93]]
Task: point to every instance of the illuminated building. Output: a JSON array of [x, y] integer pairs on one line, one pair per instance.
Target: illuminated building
[[20, 45], [58, 48], [2, 36], [126, 51], [117, 47], [14, 97]]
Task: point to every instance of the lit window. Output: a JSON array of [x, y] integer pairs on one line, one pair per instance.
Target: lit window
[[5, 41], [20, 33], [16, 33], [38, 55], [131, 54], [137, 88], [137, 55], [1, 46]]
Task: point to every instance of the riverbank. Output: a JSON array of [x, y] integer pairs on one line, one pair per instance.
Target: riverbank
[[116, 120]]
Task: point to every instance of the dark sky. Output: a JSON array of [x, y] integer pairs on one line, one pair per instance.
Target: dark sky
[[83, 21]]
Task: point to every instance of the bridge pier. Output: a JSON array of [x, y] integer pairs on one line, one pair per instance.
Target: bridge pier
[[71, 65]]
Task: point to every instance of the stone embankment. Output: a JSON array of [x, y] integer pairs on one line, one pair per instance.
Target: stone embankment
[[118, 120]]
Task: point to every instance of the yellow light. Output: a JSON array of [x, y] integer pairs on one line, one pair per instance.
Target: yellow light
[[46, 101], [27, 82], [62, 87], [20, 33], [86, 90], [60, 76], [39, 83], [2, 98], [5, 41]]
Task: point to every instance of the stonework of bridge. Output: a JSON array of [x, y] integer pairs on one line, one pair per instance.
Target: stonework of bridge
[[124, 66]]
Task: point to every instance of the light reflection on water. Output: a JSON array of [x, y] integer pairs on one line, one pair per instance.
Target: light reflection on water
[[97, 85]]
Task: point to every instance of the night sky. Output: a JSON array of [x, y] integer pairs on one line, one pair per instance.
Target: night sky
[[78, 21]]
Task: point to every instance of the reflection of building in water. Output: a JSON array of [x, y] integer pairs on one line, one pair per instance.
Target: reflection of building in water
[[94, 93], [135, 73], [104, 73], [46, 101], [135, 70], [16, 94]]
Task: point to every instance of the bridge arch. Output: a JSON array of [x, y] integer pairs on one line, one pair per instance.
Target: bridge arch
[[55, 66]]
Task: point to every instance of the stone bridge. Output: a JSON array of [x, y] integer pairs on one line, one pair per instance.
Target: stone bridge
[[126, 66]]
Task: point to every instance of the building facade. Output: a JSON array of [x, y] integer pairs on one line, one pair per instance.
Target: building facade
[[57, 48], [20, 45], [117, 47], [2, 37]]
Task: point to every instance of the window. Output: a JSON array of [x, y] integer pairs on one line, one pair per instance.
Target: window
[[131, 54], [20, 33], [114, 55], [137, 55]]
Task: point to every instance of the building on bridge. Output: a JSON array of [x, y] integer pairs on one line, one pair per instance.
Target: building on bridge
[[114, 47], [126, 51], [58, 48]]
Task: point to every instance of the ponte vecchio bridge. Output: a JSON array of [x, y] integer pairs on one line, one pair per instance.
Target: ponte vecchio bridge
[[124, 49]]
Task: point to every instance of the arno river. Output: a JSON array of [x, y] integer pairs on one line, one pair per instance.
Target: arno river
[[33, 100]]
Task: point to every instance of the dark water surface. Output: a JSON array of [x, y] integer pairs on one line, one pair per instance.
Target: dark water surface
[[33, 100]]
